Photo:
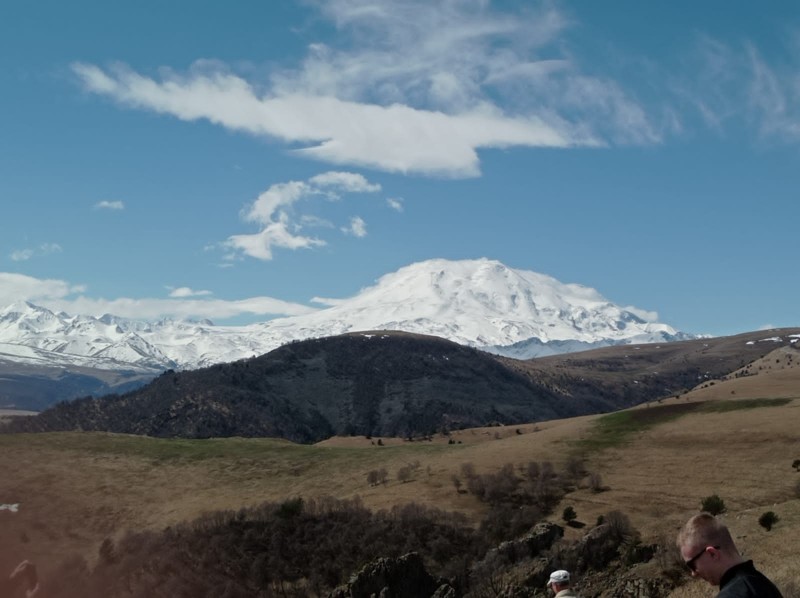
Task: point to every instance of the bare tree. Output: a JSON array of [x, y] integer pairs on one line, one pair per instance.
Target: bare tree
[[404, 473]]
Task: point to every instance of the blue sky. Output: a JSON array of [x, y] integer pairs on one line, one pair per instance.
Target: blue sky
[[245, 160]]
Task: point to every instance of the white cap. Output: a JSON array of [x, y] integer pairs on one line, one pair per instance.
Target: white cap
[[559, 576]]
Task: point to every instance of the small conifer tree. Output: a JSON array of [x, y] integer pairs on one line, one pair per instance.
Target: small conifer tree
[[713, 504], [767, 520]]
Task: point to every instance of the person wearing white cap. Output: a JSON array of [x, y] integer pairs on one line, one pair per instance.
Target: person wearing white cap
[[559, 583]]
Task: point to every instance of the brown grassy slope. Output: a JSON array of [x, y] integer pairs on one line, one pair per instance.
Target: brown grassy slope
[[661, 475], [75, 489], [630, 374]]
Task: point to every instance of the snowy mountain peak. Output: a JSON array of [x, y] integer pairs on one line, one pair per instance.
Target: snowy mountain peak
[[480, 303]]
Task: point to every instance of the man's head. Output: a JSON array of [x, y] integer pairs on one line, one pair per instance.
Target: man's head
[[707, 548], [559, 580]]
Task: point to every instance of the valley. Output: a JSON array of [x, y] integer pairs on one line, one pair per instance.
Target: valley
[[74, 489]]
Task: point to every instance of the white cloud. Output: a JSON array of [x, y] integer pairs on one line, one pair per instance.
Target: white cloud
[[60, 295], [327, 302], [395, 138], [312, 221], [411, 87], [183, 292], [109, 205], [774, 96], [22, 255], [395, 203], [277, 196], [279, 228], [149, 309], [275, 234], [19, 287], [346, 181], [422, 87], [357, 227], [737, 84]]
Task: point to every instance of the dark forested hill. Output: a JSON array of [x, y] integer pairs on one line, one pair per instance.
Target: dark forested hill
[[401, 384], [385, 383]]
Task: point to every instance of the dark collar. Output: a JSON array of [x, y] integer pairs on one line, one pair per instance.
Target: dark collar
[[734, 571]]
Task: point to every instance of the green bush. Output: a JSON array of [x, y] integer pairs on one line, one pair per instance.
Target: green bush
[[767, 520], [713, 504], [569, 514], [601, 519]]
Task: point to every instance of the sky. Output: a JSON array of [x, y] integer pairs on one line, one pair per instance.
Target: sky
[[247, 160]]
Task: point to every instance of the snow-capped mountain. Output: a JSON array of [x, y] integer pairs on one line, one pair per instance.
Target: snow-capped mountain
[[480, 303]]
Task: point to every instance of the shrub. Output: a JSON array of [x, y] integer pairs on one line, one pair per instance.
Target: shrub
[[601, 519], [569, 514], [574, 468], [713, 504], [767, 520], [796, 464], [668, 559], [504, 522], [532, 470], [468, 470], [596, 482], [619, 525], [404, 474]]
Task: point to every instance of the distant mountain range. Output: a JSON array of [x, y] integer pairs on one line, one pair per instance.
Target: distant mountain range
[[477, 303]]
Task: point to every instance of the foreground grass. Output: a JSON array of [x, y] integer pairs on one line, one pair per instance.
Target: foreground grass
[[234, 454]]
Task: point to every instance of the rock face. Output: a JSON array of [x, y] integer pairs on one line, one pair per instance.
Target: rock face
[[540, 538], [403, 577], [641, 588]]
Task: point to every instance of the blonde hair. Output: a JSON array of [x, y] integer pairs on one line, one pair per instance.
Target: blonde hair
[[705, 530]]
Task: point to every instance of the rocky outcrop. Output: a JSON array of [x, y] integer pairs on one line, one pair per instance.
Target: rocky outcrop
[[540, 538], [641, 588], [640, 581], [403, 577]]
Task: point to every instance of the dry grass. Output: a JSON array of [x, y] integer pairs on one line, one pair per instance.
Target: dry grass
[[76, 489]]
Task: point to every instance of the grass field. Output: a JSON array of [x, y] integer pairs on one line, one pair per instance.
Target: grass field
[[657, 462]]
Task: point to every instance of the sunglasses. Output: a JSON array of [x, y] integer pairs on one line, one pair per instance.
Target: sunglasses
[[691, 564]]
